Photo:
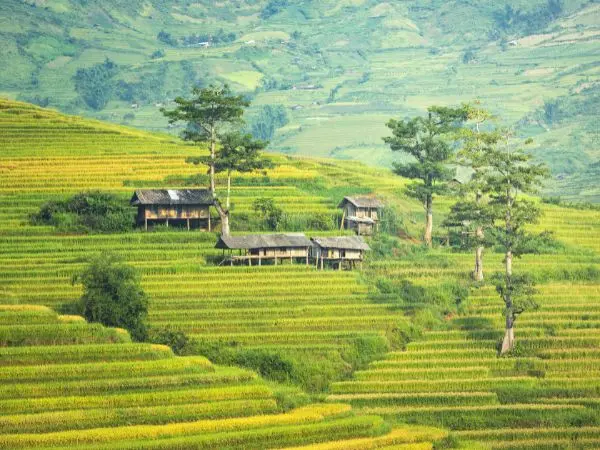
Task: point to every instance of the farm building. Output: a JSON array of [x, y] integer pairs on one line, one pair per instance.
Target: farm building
[[187, 208], [338, 250], [361, 214], [265, 247]]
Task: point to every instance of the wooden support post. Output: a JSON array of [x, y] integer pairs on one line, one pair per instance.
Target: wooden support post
[[307, 256], [250, 260], [321, 261], [276, 260], [146, 223], [291, 257], [167, 222], [340, 265], [188, 224], [343, 218], [209, 226], [259, 259]]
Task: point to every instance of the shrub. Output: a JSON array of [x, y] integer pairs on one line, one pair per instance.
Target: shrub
[[391, 222], [86, 212], [112, 295], [384, 246], [270, 213], [157, 54], [177, 340]]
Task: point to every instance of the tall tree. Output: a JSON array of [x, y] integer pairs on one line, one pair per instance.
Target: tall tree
[[510, 175], [208, 113], [429, 141], [469, 214], [240, 153], [237, 153]]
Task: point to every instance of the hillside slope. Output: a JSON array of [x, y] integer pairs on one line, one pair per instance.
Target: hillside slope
[[67, 383], [338, 69], [319, 326]]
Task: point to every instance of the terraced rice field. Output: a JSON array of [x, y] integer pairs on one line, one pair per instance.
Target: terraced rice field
[[548, 397], [66, 383], [285, 307], [63, 368]]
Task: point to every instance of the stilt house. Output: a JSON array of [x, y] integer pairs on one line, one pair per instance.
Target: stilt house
[[361, 214], [265, 247], [339, 250], [186, 208]]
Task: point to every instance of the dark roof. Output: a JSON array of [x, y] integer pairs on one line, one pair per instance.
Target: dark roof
[[362, 202], [172, 197], [342, 242], [253, 241]]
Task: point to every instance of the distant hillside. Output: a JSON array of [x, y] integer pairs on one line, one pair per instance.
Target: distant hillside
[[324, 76]]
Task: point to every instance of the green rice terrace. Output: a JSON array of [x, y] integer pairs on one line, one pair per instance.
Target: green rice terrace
[[352, 374]]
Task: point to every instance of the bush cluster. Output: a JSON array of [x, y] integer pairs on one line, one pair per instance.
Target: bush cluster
[[86, 212]]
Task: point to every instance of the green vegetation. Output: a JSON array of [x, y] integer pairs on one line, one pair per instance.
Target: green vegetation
[[207, 115], [428, 142], [400, 342], [338, 68], [86, 212], [112, 295], [115, 393]]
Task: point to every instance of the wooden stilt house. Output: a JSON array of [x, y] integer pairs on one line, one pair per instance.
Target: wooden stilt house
[[338, 251], [188, 208], [361, 214], [257, 248]]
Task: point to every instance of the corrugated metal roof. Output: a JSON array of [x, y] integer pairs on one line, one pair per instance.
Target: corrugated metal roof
[[342, 242], [254, 241], [172, 197], [362, 202]]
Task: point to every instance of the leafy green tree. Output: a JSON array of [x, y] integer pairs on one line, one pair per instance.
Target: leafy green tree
[[273, 7], [96, 212], [112, 295], [429, 141], [269, 211], [240, 153], [510, 175], [95, 84], [268, 120], [469, 214], [208, 114]]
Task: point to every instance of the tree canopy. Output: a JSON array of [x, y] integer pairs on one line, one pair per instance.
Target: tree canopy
[[428, 140], [112, 295]]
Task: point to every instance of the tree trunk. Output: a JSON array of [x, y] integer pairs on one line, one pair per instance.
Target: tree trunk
[[427, 237], [228, 190], [508, 263], [213, 150], [478, 271], [508, 343], [224, 216]]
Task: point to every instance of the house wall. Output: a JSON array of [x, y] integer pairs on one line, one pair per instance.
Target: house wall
[[334, 253], [280, 252], [174, 212], [365, 229], [370, 213]]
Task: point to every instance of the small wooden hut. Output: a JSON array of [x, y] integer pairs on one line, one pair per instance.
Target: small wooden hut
[[361, 214], [339, 250], [187, 207], [265, 247]]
